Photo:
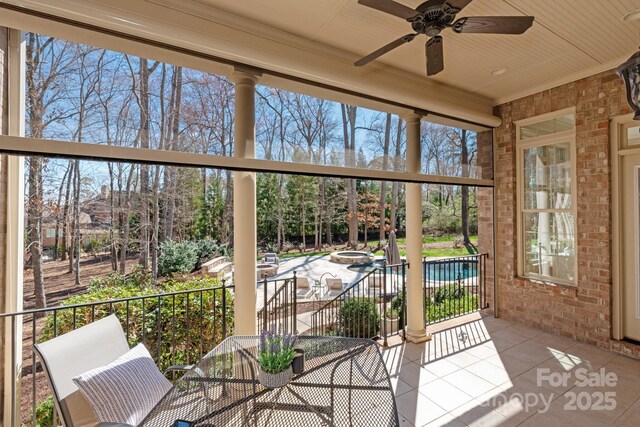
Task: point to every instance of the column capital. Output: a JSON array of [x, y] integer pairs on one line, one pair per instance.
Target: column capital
[[411, 117], [243, 76]]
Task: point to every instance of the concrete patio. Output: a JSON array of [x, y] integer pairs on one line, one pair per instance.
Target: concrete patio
[[483, 371]]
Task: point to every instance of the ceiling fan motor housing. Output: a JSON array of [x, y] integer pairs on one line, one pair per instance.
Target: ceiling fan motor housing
[[433, 17]]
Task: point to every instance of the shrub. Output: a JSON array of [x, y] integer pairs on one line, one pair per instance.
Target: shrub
[[449, 292], [177, 257], [138, 278], [207, 248], [397, 304], [176, 329], [44, 413], [359, 318], [451, 307]]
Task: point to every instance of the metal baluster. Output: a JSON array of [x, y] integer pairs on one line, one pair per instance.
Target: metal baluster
[[295, 302], [187, 327], [159, 322], [201, 322], [224, 310], [173, 329], [384, 304], [33, 370], [128, 319], [264, 305]]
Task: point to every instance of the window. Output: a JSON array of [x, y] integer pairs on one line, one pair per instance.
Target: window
[[546, 198]]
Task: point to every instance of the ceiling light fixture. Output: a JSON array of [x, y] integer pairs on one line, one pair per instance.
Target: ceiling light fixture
[[630, 73], [631, 16], [498, 71]]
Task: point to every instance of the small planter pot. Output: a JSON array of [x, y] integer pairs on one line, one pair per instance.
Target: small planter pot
[[392, 325], [298, 362], [275, 380]]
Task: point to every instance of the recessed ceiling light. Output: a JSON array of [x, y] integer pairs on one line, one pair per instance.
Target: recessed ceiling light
[[498, 71], [631, 16]]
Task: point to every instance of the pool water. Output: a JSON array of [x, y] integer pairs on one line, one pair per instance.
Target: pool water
[[450, 270], [366, 267], [435, 271]]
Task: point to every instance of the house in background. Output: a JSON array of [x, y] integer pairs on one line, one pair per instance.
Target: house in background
[[558, 146]]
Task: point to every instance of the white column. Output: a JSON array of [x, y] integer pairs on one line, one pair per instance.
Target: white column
[[15, 232], [244, 207], [415, 295]]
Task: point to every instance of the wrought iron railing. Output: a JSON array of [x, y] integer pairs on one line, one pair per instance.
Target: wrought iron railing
[[373, 306], [176, 327], [454, 286], [281, 307]]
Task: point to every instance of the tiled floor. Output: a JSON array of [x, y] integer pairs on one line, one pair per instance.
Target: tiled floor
[[491, 372]]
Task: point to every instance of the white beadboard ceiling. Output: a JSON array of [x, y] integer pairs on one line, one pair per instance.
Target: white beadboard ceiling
[[569, 39]]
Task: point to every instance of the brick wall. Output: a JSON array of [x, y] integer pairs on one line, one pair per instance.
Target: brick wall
[[485, 215], [583, 312]]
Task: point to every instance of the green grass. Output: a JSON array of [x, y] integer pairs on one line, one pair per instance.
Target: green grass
[[300, 254]]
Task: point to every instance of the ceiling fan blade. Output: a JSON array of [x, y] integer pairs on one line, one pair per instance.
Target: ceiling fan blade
[[384, 49], [493, 24], [391, 7], [435, 55], [458, 4]]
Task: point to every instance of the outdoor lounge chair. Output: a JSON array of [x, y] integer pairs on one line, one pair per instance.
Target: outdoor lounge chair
[[74, 353], [303, 288], [334, 284], [271, 258]]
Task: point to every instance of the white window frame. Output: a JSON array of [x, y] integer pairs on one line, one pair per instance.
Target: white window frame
[[521, 145]]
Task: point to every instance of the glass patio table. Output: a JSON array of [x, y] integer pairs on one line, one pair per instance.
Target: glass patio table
[[344, 383]]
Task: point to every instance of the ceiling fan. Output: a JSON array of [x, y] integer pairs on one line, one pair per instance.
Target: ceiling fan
[[433, 16]]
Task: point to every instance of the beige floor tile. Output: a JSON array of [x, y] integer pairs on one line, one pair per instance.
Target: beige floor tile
[[554, 341], [474, 413], [493, 324], [513, 364], [489, 372], [447, 420], [418, 409], [630, 418], [441, 367], [531, 351], [483, 351], [463, 359], [414, 375], [525, 330], [400, 387], [444, 394], [590, 356], [470, 383]]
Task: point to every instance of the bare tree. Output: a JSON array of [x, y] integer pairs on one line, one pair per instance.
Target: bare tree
[[349, 114]]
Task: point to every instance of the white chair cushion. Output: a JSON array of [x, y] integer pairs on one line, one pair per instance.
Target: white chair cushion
[[125, 390]]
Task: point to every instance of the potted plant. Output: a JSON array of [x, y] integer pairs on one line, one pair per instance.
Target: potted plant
[[275, 356], [391, 321]]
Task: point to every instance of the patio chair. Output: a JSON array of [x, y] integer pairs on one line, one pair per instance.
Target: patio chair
[[334, 284], [271, 258], [74, 353], [303, 288]]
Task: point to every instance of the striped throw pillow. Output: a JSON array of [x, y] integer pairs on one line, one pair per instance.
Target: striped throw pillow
[[125, 390]]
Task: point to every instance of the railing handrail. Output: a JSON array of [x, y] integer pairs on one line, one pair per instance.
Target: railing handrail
[[425, 260], [112, 301], [277, 291], [375, 269]]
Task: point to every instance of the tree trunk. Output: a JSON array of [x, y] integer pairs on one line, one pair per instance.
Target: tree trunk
[[155, 224], [67, 241], [58, 218], [34, 225], [464, 193], [383, 185], [76, 210], [348, 126], [143, 97], [395, 187]]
